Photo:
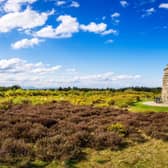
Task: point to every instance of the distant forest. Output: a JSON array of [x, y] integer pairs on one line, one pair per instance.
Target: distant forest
[[145, 89]]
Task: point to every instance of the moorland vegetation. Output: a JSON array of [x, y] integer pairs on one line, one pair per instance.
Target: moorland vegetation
[[72, 127]]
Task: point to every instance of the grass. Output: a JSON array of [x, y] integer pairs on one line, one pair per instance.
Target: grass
[[153, 154], [38, 164], [140, 107]]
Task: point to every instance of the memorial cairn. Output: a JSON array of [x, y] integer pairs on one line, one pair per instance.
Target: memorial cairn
[[164, 98]]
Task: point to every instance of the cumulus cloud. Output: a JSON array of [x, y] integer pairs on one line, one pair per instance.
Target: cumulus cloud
[[70, 25], [115, 15], [108, 76], [93, 27], [75, 4], [149, 12], [110, 41], [22, 72], [17, 65], [2, 1], [100, 28], [104, 80], [163, 5], [60, 3], [71, 70], [124, 3], [67, 27], [143, 2], [15, 5], [19, 15], [104, 18], [26, 43], [110, 31], [27, 19]]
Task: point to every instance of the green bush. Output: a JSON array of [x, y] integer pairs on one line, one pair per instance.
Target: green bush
[[118, 128], [111, 102]]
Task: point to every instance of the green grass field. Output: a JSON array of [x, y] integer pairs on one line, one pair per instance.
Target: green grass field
[[153, 154], [140, 107]]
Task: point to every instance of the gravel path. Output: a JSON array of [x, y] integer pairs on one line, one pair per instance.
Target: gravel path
[[155, 104]]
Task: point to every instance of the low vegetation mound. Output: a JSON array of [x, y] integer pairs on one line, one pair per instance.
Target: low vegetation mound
[[60, 130]]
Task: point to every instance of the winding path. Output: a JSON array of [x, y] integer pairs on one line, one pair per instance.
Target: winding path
[[151, 103]]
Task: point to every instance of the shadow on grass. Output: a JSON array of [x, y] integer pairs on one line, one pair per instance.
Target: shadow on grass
[[71, 163]]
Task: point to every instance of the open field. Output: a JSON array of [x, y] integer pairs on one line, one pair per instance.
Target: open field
[[98, 98], [140, 107], [48, 129]]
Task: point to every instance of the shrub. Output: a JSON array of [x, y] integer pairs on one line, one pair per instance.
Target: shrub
[[104, 140], [118, 128], [111, 102], [60, 130], [15, 148], [36, 132], [57, 147]]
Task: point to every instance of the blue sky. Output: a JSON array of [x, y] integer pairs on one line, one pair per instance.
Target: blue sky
[[84, 43]]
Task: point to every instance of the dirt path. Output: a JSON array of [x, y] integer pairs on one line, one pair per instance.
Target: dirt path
[[155, 104]]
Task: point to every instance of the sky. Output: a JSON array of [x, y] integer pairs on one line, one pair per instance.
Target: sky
[[83, 43]]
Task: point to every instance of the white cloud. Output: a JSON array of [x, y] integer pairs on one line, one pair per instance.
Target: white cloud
[[26, 43], [104, 77], [126, 77], [149, 12], [24, 73], [93, 27], [110, 31], [104, 18], [71, 70], [20, 66], [97, 77], [104, 80], [115, 15], [46, 70], [110, 41], [100, 28], [115, 18], [23, 20], [21, 72], [60, 3], [26, 20], [67, 27], [15, 5], [124, 3], [2, 1], [163, 5], [75, 4]]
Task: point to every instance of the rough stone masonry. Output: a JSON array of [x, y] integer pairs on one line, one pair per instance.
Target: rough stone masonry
[[165, 86]]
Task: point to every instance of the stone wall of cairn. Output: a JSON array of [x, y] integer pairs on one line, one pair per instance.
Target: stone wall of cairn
[[165, 86]]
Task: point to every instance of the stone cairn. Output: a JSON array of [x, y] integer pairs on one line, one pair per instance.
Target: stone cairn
[[165, 86]]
